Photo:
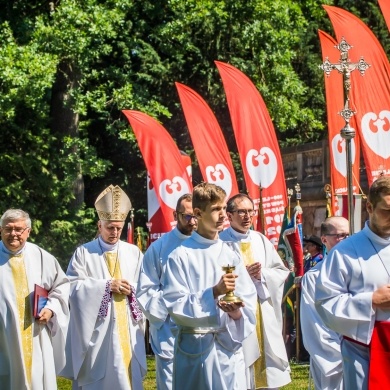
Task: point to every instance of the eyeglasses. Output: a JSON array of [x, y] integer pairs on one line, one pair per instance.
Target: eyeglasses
[[187, 217], [243, 212], [339, 236], [18, 231]]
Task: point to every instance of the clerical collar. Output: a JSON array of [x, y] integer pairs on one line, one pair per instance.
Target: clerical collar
[[4, 249], [237, 236], [375, 237], [107, 247], [179, 234], [202, 240]]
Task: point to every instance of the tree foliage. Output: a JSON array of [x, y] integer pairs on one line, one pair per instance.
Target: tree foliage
[[68, 68]]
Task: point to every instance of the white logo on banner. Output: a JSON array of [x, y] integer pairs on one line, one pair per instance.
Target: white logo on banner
[[220, 176], [171, 190], [262, 166], [339, 154], [378, 138]]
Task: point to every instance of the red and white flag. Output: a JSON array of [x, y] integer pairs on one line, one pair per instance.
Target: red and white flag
[[293, 237], [385, 7], [164, 164], [130, 233], [370, 94], [342, 209], [258, 147], [155, 215], [334, 92], [209, 144]]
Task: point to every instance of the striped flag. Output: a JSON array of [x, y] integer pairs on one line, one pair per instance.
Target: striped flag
[[342, 209], [293, 237]]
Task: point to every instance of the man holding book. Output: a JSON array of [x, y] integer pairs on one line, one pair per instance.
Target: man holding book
[[32, 342]]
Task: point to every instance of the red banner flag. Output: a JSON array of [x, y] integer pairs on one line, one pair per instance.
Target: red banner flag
[[385, 7], [209, 144], [293, 237], [370, 94], [155, 217], [130, 233], [334, 91], [164, 163], [258, 147]]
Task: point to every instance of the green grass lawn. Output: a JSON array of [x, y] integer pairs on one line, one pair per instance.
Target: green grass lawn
[[299, 376]]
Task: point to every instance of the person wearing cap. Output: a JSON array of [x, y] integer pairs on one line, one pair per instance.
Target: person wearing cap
[[322, 343], [105, 346], [313, 246], [264, 350], [150, 289], [31, 346]]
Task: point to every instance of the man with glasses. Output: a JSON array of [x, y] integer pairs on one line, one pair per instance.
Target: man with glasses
[[265, 352], [106, 345], [353, 295], [322, 343], [31, 349], [150, 290]]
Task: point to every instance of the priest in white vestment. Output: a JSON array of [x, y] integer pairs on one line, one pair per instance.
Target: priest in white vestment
[[31, 348], [105, 346], [322, 343], [353, 293], [208, 346], [150, 290], [265, 352]]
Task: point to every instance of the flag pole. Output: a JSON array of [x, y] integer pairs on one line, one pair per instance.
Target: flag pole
[[290, 193], [328, 196], [132, 225], [298, 290], [149, 226]]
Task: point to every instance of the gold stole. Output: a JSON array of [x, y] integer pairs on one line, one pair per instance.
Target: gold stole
[[120, 306], [259, 366], [23, 304]]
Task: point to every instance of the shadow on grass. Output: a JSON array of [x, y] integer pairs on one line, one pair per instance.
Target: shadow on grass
[[299, 376]]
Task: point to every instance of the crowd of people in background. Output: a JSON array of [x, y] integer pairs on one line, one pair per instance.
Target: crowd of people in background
[[212, 298]]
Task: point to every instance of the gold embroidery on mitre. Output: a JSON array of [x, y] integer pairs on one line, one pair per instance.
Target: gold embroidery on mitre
[[112, 204]]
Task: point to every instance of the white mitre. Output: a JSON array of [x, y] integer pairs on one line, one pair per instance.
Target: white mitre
[[112, 204]]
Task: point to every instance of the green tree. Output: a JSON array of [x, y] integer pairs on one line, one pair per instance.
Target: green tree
[[68, 68]]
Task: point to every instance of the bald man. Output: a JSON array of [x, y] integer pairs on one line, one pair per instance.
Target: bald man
[[322, 343]]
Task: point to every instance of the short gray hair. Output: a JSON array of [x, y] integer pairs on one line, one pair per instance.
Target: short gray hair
[[14, 215]]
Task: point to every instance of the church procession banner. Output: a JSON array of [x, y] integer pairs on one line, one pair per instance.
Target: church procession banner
[[258, 148], [385, 7], [256, 138], [208, 141], [166, 168], [334, 104], [370, 94]]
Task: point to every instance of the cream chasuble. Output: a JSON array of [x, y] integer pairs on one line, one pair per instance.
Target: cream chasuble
[[120, 306], [24, 310]]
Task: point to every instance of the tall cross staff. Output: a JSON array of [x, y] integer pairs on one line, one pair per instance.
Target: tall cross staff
[[345, 67]]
